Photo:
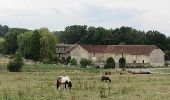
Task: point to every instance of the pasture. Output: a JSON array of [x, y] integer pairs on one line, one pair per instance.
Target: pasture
[[37, 82]]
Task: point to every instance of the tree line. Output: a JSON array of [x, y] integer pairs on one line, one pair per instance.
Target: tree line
[[40, 44]]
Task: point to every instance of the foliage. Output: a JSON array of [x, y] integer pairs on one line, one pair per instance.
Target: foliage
[[85, 62], [3, 30], [123, 35], [2, 41], [168, 43], [35, 46], [68, 59], [122, 62], [73, 34], [24, 44], [156, 38], [73, 62], [10, 45], [46, 61], [167, 55], [47, 42], [16, 64], [110, 63]]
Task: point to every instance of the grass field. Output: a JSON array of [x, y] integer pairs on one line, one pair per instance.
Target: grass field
[[38, 83]]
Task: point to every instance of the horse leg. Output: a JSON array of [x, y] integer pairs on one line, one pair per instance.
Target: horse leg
[[65, 85], [58, 85]]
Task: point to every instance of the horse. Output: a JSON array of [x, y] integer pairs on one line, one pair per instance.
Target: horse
[[64, 80], [105, 78]]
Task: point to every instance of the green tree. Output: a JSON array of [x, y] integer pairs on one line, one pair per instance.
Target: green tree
[[73, 62], [35, 46], [156, 38], [2, 41], [24, 44], [10, 45], [16, 64], [74, 34], [122, 62], [85, 62], [3, 30], [168, 43], [47, 44], [110, 63], [167, 55]]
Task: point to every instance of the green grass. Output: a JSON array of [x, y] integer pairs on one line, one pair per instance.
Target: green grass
[[38, 83]]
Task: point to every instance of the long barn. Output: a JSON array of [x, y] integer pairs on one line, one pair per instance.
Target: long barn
[[135, 55]]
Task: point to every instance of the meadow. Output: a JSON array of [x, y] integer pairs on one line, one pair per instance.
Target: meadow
[[37, 82]]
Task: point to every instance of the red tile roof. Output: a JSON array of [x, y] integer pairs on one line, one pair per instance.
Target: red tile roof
[[121, 49]]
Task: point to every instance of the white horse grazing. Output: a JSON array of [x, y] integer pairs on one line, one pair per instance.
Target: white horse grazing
[[64, 80]]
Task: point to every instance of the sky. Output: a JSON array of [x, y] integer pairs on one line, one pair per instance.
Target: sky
[[57, 14]]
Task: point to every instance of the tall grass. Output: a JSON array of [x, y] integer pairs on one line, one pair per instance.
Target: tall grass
[[39, 84]]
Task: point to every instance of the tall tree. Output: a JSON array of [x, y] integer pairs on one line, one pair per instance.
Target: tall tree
[[10, 45], [47, 42], [35, 46], [156, 38], [74, 34], [168, 43], [24, 44], [3, 30]]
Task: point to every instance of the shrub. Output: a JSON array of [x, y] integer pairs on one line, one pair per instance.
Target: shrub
[[85, 62], [122, 62], [96, 67], [46, 61], [73, 62], [16, 64], [68, 60], [110, 63]]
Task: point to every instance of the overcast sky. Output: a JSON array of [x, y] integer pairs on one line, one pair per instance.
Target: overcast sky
[[57, 14]]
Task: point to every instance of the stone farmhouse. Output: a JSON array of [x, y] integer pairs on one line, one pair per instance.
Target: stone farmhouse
[[135, 55]]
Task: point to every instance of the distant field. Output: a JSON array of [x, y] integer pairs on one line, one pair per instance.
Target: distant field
[[38, 83]]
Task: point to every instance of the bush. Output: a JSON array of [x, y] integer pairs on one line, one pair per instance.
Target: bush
[[110, 63], [96, 67], [122, 62], [73, 62], [46, 61], [85, 62], [68, 60], [16, 64]]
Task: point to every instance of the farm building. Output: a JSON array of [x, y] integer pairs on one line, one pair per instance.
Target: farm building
[[135, 55]]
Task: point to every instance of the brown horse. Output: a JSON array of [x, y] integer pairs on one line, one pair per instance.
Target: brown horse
[[64, 80]]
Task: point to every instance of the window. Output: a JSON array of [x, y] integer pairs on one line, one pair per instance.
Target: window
[[134, 61], [143, 61]]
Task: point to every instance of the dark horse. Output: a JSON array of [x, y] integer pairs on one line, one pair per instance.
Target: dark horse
[[105, 78], [64, 80]]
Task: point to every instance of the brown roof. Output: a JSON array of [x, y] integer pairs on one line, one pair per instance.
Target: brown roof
[[65, 48], [121, 49]]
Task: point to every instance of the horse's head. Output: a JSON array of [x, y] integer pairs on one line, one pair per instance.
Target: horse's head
[[70, 84]]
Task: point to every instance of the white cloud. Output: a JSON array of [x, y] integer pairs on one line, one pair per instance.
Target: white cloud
[[57, 14]]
